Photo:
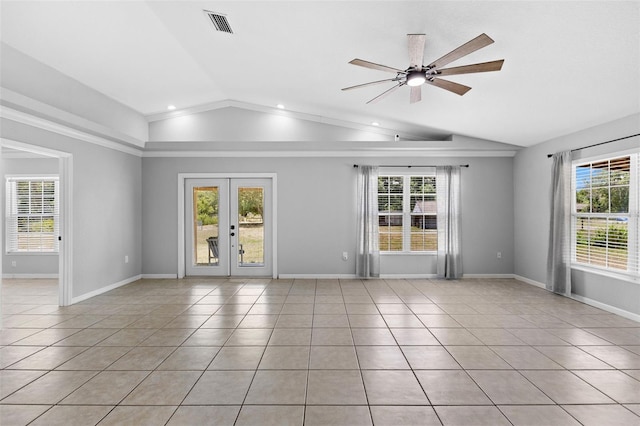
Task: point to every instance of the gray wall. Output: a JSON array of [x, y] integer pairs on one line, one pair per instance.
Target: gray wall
[[532, 177], [26, 263], [316, 213], [235, 124], [107, 211]]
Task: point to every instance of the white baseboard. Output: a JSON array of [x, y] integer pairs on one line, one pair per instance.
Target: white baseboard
[[530, 281], [407, 276], [605, 307], [496, 276], [105, 289], [159, 276], [28, 276], [317, 276], [587, 301], [388, 276]]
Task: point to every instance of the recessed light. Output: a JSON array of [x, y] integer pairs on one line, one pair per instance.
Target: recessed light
[[375, 123], [280, 106], [171, 107]]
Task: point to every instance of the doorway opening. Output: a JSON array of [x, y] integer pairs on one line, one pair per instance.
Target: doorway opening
[[64, 195]]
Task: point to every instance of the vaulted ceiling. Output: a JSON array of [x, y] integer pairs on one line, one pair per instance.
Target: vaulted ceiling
[[568, 65]]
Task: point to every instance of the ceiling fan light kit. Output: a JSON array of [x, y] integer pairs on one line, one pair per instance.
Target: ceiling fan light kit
[[418, 74], [416, 78]]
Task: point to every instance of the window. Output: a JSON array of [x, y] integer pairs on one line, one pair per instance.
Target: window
[[605, 214], [32, 214], [407, 213]]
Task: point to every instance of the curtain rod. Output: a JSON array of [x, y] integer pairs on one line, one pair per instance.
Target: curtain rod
[[408, 167], [601, 143]]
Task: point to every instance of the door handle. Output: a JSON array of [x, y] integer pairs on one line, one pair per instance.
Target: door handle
[[233, 227]]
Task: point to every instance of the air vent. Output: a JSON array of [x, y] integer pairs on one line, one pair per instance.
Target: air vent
[[219, 21]]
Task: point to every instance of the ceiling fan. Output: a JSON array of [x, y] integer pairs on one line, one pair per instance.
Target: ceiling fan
[[418, 74]]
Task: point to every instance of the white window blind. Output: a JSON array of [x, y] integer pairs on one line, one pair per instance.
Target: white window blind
[[32, 214], [605, 218], [407, 213]]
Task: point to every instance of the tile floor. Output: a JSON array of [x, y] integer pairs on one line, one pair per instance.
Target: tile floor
[[315, 352]]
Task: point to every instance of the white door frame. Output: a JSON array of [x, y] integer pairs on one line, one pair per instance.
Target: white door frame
[[65, 172], [181, 207]]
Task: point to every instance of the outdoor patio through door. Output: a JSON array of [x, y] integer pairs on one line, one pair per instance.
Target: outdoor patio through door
[[228, 227]]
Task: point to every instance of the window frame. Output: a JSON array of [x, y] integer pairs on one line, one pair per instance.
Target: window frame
[[632, 270], [12, 215], [407, 214]]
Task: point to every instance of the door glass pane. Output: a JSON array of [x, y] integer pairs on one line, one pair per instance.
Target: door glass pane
[[205, 225], [250, 226]]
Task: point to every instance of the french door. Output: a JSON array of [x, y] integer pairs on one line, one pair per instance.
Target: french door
[[228, 229]]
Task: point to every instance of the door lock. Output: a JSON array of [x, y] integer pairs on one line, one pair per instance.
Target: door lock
[[233, 227], [233, 234]]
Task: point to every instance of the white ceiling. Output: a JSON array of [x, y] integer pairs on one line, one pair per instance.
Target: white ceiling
[[568, 65]]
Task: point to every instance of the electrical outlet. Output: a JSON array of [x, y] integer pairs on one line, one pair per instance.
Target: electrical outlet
[[126, 259], [499, 255], [345, 255], [14, 263]]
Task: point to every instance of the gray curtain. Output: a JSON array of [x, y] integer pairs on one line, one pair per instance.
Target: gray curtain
[[368, 251], [449, 262], [558, 258]]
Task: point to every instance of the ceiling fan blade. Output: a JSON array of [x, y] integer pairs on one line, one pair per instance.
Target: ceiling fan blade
[[416, 49], [384, 94], [372, 83], [367, 64], [416, 94], [471, 46], [468, 69], [457, 88]]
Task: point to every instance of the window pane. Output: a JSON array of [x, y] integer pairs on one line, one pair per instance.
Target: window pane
[[35, 224], [582, 239], [620, 199], [424, 236], [600, 173], [36, 205], [49, 205], [430, 185], [583, 200], [205, 225], [424, 205], [415, 203], [36, 189], [600, 200], [390, 227], [620, 171], [23, 224], [395, 184], [395, 203], [416, 184], [383, 203], [618, 237], [22, 189], [598, 241], [251, 226]]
